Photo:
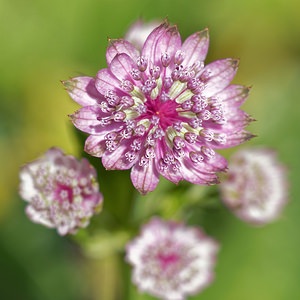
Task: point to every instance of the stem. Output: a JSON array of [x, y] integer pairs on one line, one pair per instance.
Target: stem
[[125, 278]]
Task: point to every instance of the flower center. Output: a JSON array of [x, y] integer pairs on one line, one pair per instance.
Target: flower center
[[167, 260], [164, 113], [63, 193]]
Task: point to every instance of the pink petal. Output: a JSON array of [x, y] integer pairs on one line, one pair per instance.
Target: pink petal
[[192, 172], [121, 66], [53, 153], [86, 119], [236, 138], [82, 90], [92, 201], [163, 39], [105, 81], [216, 163], [55, 156], [85, 169], [116, 160], [120, 46], [64, 229], [173, 176], [144, 179], [27, 187], [169, 42], [169, 173], [150, 43], [139, 31], [39, 216], [234, 95], [218, 75], [195, 47], [95, 145], [236, 119]]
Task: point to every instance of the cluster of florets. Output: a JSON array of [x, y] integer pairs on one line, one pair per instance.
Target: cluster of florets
[[255, 187], [62, 192], [171, 260], [161, 111]]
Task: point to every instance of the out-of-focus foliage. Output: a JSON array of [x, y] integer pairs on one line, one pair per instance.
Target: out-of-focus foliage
[[43, 42]]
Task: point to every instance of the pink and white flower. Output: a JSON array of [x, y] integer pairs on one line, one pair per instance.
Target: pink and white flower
[[62, 192], [161, 111], [255, 187], [171, 260]]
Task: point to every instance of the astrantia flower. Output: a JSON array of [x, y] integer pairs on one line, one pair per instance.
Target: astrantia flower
[[62, 192], [255, 187], [170, 260], [161, 111]]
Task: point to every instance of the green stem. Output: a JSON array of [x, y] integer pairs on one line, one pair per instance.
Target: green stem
[[125, 274]]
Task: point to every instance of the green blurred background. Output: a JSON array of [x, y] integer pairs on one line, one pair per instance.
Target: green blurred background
[[43, 42]]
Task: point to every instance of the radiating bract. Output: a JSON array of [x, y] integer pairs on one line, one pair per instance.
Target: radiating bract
[[139, 31], [62, 192], [161, 111], [255, 187], [171, 260]]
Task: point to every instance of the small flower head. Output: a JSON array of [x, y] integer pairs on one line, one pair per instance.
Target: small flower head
[[62, 192], [160, 111], [255, 187], [170, 260]]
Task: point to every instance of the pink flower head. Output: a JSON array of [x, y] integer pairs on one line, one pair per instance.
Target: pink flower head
[[170, 260], [62, 192], [255, 188], [161, 111]]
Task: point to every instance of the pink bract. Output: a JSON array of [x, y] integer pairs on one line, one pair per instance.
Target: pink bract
[[161, 111], [171, 260], [139, 31], [62, 192], [255, 187]]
